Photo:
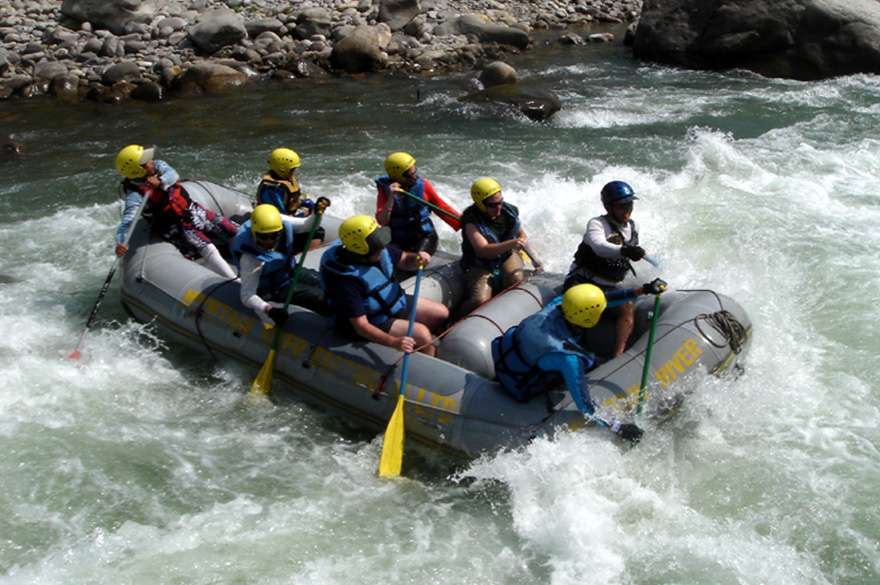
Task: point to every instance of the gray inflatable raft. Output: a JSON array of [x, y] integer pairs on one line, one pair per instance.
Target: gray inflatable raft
[[451, 400]]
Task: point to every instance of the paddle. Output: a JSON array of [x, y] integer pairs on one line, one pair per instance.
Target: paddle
[[76, 353], [536, 262], [263, 382], [648, 351], [391, 460]]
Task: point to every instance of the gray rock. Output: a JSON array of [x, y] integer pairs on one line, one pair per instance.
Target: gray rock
[[217, 29], [497, 73], [125, 71], [256, 27], [65, 88], [93, 45], [359, 52], [172, 22], [313, 21], [486, 31], [49, 70], [112, 47], [801, 39], [148, 91], [110, 14], [535, 104], [398, 13], [210, 77]]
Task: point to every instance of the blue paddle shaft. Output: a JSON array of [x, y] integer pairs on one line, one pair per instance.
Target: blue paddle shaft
[[409, 330]]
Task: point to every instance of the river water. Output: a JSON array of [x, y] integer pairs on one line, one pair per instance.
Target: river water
[[142, 463]]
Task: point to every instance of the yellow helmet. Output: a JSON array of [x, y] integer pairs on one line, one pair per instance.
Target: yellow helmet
[[130, 161], [282, 161], [482, 189], [361, 234], [266, 219], [582, 305], [398, 163]]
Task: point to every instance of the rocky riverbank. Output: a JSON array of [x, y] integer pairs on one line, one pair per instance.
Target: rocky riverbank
[[112, 50]]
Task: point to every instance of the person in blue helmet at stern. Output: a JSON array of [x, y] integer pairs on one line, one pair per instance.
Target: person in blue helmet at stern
[[545, 349], [606, 252]]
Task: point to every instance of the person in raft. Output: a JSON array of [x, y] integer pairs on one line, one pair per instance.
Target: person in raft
[[357, 273], [263, 252], [410, 221], [279, 186], [544, 349], [169, 209], [604, 256], [492, 236]]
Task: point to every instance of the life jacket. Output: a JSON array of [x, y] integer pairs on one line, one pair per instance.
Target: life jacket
[[516, 353], [410, 220], [611, 269], [290, 187], [383, 297], [163, 208], [275, 275], [469, 257]]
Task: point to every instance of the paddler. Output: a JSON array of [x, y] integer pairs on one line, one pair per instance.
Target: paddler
[[492, 236], [410, 221], [264, 253], [279, 186], [169, 209], [544, 349], [357, 273], [604, 256]]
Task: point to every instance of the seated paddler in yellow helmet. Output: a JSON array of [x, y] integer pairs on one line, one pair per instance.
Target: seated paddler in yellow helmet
[[279, 186], [492, 236], [409, 216], [544, 349], [357, 273], [264, 254]]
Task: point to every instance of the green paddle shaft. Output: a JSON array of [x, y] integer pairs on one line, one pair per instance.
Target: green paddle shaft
[[439, 210], [319, 214], [648, 352]]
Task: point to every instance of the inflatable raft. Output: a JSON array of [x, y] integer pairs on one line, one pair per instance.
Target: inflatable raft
[[451, 400]]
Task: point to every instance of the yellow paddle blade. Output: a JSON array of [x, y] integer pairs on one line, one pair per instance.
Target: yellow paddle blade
[[392, 448], [263, 382]]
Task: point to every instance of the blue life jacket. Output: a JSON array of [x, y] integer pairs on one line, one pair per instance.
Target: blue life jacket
[[468, 255], [383, 297], [275, 275], [516, 353], [410, 220]]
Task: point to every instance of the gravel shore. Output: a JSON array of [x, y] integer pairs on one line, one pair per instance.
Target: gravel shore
[[114, 50]]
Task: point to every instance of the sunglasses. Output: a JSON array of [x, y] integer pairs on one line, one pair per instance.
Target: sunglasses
[[495, 204], [268, 237], [623, 206]]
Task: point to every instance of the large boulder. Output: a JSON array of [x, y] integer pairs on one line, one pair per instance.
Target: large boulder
[[209, 77], [485, 30], [800, 39], [359, 52], [110, 14], [533, 103], [398, 13], [217, 29]]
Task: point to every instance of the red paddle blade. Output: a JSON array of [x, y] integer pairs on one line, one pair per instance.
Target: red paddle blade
[[74, 355]]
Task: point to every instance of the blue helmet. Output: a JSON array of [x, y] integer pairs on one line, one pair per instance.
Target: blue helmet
[[617, 192]]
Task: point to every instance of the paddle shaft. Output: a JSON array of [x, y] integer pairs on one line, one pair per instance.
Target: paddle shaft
[[319, 214], [404, 371], [648, 352], [106, 286]]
